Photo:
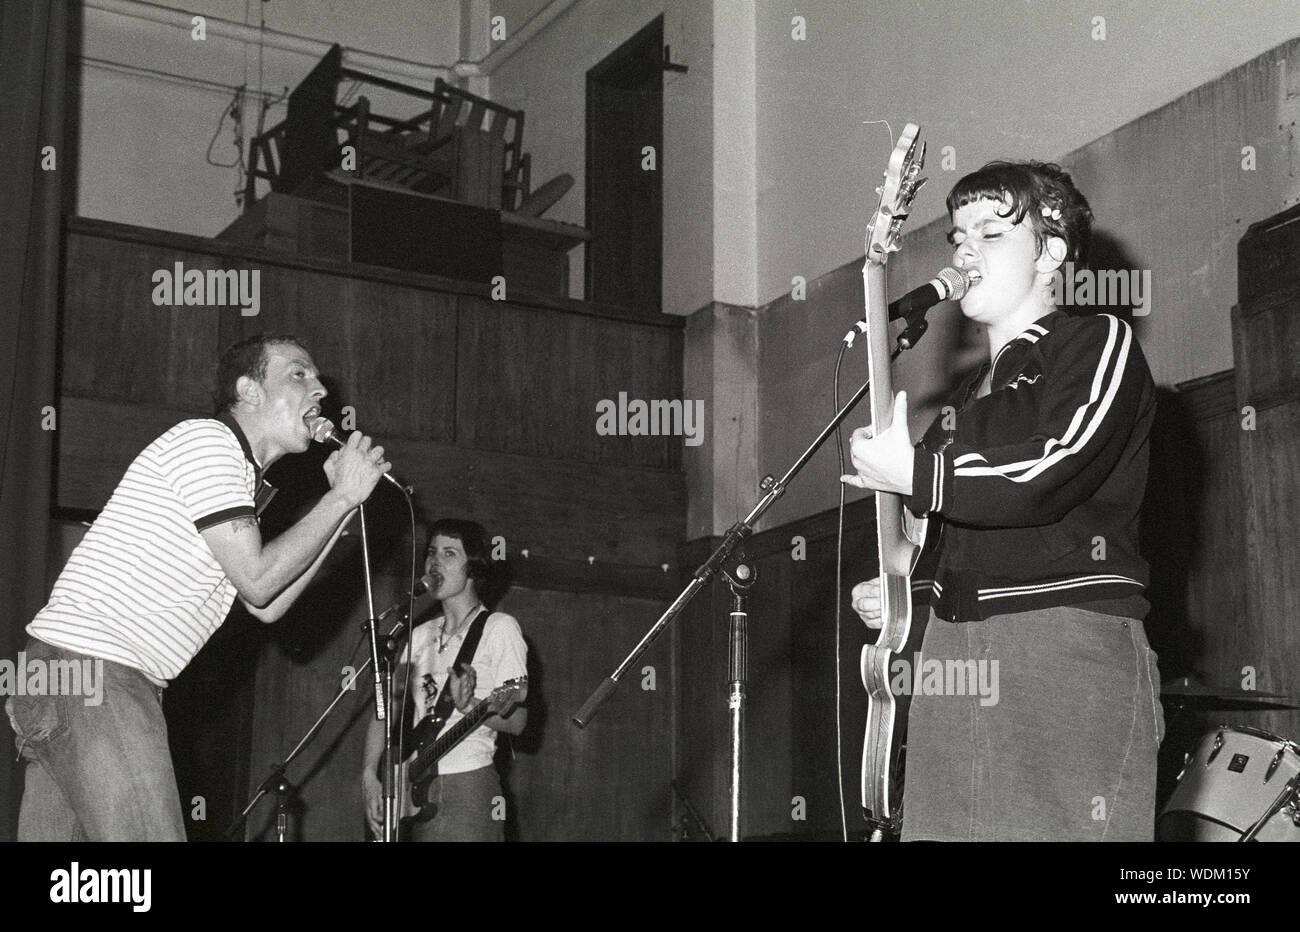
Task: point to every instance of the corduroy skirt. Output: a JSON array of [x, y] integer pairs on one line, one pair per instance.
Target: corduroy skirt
[[1035, 726]]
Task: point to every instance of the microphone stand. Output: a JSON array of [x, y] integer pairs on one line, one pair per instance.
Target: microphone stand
[[717, 561], [385, 698], [911, 335], [740, 577], [276, 781], [383, 688], [383, 683]]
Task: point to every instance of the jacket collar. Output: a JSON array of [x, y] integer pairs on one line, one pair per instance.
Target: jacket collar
[[1013, 353]]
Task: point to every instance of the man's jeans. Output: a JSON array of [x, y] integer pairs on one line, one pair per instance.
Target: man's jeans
[[96, 772]]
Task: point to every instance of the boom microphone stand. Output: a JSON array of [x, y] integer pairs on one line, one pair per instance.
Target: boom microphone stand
[[717, 561], [740, 577]]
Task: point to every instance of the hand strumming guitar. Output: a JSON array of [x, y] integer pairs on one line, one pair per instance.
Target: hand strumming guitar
[[461, 683]]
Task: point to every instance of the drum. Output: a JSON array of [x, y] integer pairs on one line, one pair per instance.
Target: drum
[[1228, 783]]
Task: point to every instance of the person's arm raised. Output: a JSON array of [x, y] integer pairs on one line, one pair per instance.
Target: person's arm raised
[[268, 577]]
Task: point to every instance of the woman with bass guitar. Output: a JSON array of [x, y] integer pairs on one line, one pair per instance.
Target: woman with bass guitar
[[1035, 475]]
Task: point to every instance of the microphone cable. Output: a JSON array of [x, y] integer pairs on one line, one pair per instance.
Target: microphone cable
[[839, 587]]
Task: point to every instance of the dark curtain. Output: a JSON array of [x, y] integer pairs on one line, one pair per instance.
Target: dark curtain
[[33, 76]]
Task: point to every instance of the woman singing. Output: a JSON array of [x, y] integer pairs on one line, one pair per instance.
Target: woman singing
[[1031, 569]]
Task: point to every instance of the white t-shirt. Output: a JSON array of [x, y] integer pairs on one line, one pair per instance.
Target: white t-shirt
[[501, 656]]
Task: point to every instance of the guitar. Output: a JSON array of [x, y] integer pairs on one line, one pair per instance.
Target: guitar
[[897, 550], [416, 774]]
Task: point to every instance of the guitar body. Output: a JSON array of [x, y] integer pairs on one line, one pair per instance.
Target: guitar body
[[424, 735], [897, 553], [413, 803], [416, 774], [419, 797]]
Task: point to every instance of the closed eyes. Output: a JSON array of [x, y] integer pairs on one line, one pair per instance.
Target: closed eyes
[[987, 235]]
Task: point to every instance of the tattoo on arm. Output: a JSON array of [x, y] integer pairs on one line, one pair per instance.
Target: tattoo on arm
[[238, 524]]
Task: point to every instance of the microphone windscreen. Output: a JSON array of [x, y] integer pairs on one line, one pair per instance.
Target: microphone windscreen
[[957, 280]]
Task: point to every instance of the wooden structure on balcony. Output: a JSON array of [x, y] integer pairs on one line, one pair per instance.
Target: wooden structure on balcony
[[451, 183], [459, 145]]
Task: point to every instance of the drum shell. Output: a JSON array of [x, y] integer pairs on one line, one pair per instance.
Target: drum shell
[[1220, 795]]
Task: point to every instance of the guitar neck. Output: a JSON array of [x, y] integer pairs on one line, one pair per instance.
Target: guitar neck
[[878, 362]]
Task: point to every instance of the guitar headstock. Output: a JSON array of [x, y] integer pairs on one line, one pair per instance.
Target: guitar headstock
[[509, 693], [902, 181]]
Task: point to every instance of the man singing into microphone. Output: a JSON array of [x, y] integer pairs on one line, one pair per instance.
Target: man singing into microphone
[[460, 658], [155, 576]]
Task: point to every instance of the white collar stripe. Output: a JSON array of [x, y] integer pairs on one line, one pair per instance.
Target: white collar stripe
[[1110, 373]]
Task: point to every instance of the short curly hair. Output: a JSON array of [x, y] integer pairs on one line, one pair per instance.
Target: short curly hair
[[1028, 188], [247, 357]]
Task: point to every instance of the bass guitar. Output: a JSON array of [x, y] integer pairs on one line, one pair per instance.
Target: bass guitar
[[431, 744], [897, 550]]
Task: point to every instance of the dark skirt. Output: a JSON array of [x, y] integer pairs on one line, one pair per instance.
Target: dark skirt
[[1058, 743]]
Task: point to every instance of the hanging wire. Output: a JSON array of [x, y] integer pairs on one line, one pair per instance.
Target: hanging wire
[[839, 586], [234, 110]]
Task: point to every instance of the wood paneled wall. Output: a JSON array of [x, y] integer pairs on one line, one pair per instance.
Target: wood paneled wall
[[790, 769], [489, 409], [1266, 342], [1226, 556]]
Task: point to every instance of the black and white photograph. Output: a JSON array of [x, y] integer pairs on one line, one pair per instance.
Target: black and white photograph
[[653, 421]]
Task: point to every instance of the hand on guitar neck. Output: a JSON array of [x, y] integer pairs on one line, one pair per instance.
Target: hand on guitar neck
[[884, 463]]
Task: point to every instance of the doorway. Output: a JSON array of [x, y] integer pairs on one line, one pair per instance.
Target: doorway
[[624, 194]]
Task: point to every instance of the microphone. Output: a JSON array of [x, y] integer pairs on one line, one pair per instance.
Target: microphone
[[951, 284], [401, 605], [323, 430]]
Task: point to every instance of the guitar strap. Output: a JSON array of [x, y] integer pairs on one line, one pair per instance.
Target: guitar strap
[[468, 648]]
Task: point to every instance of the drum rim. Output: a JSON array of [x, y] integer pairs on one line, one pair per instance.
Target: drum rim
[[1199, 815], [1254, 732]]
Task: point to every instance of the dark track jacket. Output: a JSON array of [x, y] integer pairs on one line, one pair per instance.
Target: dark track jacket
[[1039, 484]]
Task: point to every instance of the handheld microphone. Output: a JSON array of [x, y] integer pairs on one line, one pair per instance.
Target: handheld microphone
[[323, 431], [951, 284]]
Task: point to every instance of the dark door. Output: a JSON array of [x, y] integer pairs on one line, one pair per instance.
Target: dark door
[[624, 198]]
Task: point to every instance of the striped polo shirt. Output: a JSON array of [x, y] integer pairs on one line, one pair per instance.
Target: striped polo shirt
[[143, 588]]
